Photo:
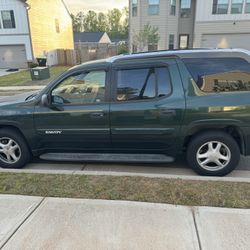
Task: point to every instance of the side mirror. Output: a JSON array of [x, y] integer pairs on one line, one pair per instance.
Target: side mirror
[[45, 100]]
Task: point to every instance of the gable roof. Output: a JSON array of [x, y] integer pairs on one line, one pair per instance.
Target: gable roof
[[84, 37]]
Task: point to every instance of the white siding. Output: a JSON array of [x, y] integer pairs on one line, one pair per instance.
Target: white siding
[[223, 28], [19, 35], [226, 41], [18, 40], [20, 16], [204, 13]]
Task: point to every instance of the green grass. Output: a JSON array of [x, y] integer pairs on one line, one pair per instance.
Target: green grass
[[179, 192], [23, 78]]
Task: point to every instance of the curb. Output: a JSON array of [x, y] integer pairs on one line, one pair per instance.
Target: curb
[[129, 174]]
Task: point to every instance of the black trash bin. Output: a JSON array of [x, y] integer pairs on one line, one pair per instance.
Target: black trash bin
[[41, 61]]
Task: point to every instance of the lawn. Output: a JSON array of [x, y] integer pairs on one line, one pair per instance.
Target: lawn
[[158, 190], [23, 78]]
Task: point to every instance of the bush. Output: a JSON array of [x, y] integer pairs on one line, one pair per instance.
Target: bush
[[33, 65], [122, 49]]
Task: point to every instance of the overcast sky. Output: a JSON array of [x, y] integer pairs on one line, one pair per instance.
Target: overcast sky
[[97, 5]]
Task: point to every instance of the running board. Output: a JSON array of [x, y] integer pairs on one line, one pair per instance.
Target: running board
[[94, 157]]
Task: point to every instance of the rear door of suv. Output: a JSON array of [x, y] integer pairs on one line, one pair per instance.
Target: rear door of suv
[[147, 106]]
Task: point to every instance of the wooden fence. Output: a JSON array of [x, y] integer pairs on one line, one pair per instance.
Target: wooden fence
[[85, 52]]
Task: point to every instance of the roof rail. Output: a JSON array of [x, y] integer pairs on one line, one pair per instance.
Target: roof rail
[[169, 50]]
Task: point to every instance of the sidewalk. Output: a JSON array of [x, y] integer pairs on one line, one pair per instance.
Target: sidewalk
[[57, 223]]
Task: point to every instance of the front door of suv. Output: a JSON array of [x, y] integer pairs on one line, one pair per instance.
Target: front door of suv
[[78, 117], [148, 106]]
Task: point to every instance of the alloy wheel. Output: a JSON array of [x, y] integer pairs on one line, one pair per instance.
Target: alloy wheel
[[213, 156], [10, 151]]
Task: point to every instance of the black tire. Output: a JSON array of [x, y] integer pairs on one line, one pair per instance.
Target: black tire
[[22, 152], [229, 148]]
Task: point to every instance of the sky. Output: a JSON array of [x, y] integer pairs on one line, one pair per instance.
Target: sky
[[75, 6]]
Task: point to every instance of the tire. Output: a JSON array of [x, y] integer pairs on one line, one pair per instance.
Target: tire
[[213, 153], [14, 152]]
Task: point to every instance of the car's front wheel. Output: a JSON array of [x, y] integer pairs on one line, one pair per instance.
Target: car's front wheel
[[14, 152], [213, 153]]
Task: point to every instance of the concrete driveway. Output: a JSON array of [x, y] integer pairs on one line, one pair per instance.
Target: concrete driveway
[[29, 223], [4, 73]]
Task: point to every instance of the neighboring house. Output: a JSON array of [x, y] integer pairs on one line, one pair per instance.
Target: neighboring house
[[30, 29], [192, 23], [226, 24], [91, 37]]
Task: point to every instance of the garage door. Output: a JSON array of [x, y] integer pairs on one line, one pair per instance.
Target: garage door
[[226, 41], [12, 56]]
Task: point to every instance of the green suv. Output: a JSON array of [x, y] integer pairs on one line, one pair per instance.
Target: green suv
[[147, 107]]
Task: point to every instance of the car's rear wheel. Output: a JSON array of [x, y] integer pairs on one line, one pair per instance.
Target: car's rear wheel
[[213, 153], [14, 152]]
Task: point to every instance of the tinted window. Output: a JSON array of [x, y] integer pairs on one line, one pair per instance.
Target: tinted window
[[146, 83], [220, 74], [81, 88]]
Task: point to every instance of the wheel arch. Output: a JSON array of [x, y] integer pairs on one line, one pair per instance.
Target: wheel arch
[[232, 130], [18, 130]]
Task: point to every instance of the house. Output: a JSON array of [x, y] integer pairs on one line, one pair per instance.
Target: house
[[192, 23], [91, 37], [31, 29]]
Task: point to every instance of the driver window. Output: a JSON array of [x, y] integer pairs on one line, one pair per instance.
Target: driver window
[[81, 88]]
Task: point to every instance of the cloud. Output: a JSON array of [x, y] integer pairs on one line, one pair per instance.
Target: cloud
[[96, 5]]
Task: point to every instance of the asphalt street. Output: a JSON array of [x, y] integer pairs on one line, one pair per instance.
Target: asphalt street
[[176, 170]]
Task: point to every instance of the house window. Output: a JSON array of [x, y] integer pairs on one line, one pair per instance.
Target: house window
[[8, 19], [185, 8], [134, 7], [153, 7], [171, 42], [172, 7], [183, 41], [57, 26], [220, 6], [237, 7], [247, 7]]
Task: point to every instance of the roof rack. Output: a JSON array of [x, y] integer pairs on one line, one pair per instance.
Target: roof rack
[[169, 50]]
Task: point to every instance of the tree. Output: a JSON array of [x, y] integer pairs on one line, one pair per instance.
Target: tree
[[77, 21], [125, 23], [102, 23], [90, 23], [114, 20], [148, 36]]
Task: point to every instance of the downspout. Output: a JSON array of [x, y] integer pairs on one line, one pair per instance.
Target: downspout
[[28, 7]]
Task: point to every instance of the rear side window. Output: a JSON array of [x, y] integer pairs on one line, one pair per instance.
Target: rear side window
[[144, 83], [220, 74]]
